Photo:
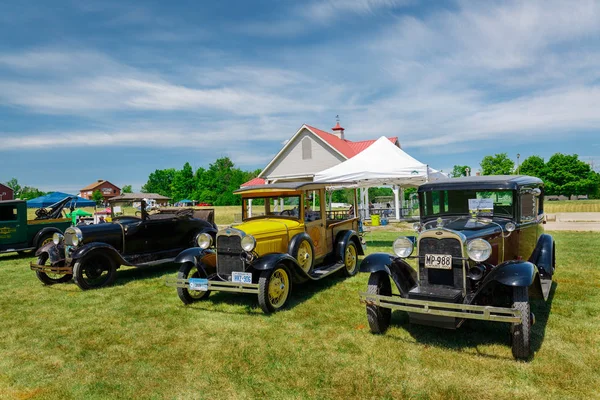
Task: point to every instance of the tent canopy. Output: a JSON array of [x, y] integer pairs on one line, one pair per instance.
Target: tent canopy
[[79, 213], [380, 164], [55, 197], [185, 201]]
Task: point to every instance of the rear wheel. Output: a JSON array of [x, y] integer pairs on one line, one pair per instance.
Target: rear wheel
[[350, 260], [94, 270], [304, 256], [521, 331], [379, 318], [274, 287], [187, 271], [49, 278]]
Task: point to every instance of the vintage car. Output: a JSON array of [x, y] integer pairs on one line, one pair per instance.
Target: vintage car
[[20, 234], [91, 254], [293, 239], [481, 253]]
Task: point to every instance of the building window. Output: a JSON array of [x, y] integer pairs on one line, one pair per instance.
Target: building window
[[306, 149]]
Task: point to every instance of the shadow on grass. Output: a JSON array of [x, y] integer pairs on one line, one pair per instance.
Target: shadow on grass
[[474, 333]]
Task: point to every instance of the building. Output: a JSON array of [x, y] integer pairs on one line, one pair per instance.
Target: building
[[309, 151], [6, 193], [107, 189]]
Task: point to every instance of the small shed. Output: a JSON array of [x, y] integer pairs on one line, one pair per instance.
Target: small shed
[[6, 193]]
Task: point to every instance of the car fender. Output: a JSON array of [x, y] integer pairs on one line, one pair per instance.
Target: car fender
[[55, 252], [42, 232], [270, 261], [403, 275], [515, 273], [99, 246], [197, 256], [342, 239], [295, 242], [543, 255]]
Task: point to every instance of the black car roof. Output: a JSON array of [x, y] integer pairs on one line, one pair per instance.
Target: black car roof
[[487, 182]]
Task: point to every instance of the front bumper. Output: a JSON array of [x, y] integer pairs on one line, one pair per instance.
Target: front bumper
[[50, 269], [217, 285], [464, 311]]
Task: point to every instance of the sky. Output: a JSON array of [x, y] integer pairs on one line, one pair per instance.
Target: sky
[[117, 89]]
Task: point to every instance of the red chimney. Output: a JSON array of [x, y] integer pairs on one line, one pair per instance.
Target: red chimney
[[338, 130]]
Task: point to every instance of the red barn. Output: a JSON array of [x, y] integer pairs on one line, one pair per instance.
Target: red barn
[[107, 189], [6, 193]]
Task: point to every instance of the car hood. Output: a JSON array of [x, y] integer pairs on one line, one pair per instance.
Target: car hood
[[266, 226]]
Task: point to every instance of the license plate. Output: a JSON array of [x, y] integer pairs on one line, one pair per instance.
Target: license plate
[[241, 277], [440, 261], [198, 284]]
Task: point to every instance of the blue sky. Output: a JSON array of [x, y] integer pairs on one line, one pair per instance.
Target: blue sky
[[116, 89]]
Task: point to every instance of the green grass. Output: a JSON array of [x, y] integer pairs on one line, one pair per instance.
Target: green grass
[[572, 206], [137, 340]]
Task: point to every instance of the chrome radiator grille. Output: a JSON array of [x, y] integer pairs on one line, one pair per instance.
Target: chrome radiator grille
[[446, 277], [229, 249]]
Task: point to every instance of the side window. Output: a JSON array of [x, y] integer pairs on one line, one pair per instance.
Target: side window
[[306, 149], [529, 207], [8, 213], [312, 206]]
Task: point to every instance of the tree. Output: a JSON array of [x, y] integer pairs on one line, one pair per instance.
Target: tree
[[28, 193], [567, 175], [183, 184], [126, 189], [160, 182], [14, 185], [533, 166], [499, 164], [97, 196], [459, 170]]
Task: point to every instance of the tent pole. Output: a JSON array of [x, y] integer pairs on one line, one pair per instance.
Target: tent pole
[[368, 203], [427, 173], [396, 189], [249, 208]]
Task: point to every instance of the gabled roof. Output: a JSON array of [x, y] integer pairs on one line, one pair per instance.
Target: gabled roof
[[96, 184], [253, 182], [6, 187]]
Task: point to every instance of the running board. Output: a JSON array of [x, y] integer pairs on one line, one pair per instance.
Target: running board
[[321, 273], [152, 263]]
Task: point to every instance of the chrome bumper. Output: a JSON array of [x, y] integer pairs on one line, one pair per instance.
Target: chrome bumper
[[466, 311], [217, 285]]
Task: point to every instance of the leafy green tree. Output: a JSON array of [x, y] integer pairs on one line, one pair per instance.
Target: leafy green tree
[[160, 182], [126, 189], [533, 166], [499, 164], [567, 175], [28, 193], [14, 185], [183, 184], [459, 170], [97, 196]]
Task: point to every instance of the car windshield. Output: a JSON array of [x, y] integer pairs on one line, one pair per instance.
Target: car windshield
[[270, 206], [463, 202]]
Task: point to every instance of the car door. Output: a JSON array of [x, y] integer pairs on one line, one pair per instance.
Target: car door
[[314, 220], [13, 224], [161, 231]]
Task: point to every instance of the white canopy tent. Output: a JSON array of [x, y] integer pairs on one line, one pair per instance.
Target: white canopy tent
[[380, 164]]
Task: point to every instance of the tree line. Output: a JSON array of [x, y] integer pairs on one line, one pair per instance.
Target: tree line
[[563, 174]]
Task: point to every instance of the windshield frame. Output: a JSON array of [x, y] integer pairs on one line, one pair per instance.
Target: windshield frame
[[429, 194]]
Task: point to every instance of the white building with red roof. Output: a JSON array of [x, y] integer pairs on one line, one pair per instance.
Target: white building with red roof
[[309, 151]]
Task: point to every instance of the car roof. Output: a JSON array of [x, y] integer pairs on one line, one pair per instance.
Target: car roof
[[6, 202], [282, 187], [486, 182]]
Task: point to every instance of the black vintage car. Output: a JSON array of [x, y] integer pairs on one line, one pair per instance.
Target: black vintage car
[[481, 253], [91, 254]]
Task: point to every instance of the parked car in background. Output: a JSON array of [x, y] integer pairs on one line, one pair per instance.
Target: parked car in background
[[18, 233], [293, 239], [481, 253], [91, 254]]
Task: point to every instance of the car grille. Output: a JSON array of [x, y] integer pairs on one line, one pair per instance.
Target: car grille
[[447, 277], [229, 250]]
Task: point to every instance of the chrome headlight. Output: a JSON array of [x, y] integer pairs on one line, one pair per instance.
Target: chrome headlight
[[248, 243], [57, 238], [417, 227], [510, 226], [479, 250], [74, 236], [204, 240], [403, 247]]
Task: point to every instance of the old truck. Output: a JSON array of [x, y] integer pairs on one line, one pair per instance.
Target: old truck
[[19, 234]]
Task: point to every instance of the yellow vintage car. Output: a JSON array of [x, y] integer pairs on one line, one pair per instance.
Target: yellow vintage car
[[287, 236]]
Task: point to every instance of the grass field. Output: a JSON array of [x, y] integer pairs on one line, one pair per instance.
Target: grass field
[[137, 340]]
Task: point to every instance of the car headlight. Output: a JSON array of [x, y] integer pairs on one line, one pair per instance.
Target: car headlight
[[403, 247], [248, 243], [204, 240], [57, 238], [74, 236], [479, 250]]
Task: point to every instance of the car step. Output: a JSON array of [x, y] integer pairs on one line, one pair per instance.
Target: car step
[[323, 272]]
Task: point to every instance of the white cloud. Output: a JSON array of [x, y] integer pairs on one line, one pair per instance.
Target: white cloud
[[326, 9]]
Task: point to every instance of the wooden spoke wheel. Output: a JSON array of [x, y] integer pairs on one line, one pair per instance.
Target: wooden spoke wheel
[[350, 260], [274, 287], [304, 256], [94, 270]]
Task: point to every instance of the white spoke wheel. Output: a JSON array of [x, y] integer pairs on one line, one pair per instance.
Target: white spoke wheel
[[350, 260], [187, 271], [49, 278], [274, 288], [521, 331], [379, 318], [94, 270]]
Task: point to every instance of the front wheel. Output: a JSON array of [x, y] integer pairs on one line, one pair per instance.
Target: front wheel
[[521, 331], [274, 287], [49, 278], [187, 271], [94, 270], [350, 260], [379, 317]]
